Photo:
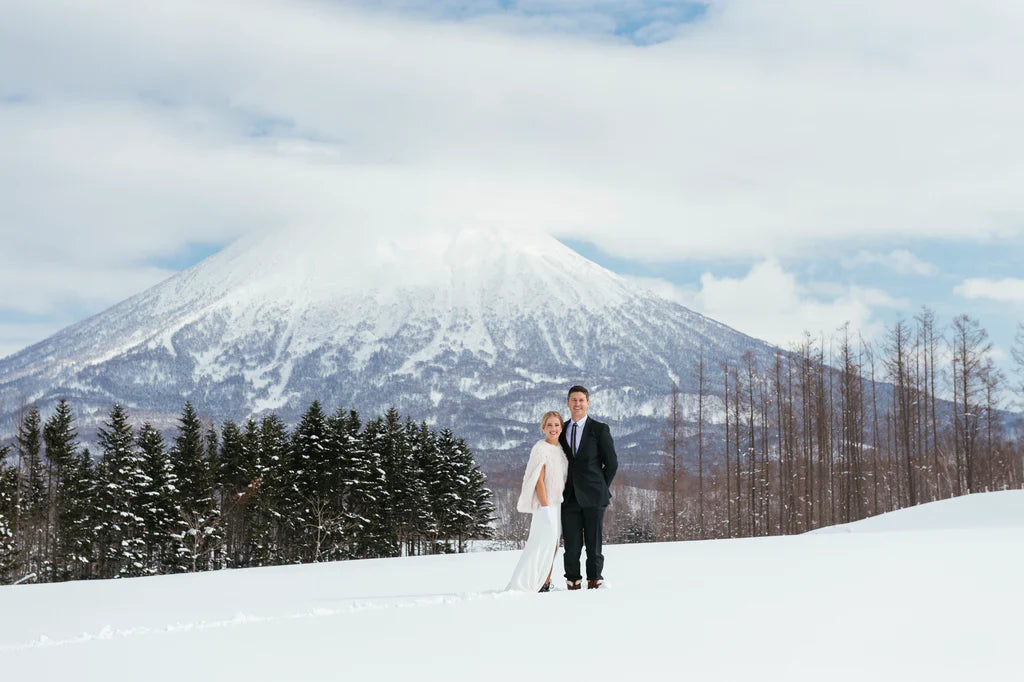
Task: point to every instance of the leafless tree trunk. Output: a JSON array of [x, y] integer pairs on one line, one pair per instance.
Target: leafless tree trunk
[[671, 437], [971, 349], [728, 478], [700, 442], [897, 364]]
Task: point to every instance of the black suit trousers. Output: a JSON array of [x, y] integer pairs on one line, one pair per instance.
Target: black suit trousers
[[582, 525]]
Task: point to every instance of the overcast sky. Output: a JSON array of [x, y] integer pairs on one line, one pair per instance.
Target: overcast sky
[[779, 166]]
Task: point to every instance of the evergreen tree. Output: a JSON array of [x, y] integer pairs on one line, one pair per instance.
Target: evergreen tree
[[339, 483], [474, 509], [233, 478], [423, 521], [76, 516], [200, 537], [360, 484], [8, 502], [234, 470], [213, 464], [61, 440], [268, 542], [445, 499], [159, 504], [248, 481], [316, 518], [34, 504], [372, 442], [121, 526], [388, 438]]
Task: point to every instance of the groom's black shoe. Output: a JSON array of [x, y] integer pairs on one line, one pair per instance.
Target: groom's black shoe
[[574, 584], [546, 587], [594, 584]]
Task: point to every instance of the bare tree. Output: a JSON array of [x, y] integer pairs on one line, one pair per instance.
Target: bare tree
[[751, 366], [897, 363], [325, 520], [1017, 352], [991, 378], [672, 436], [851, 438], [926, 322], [701, 388], [728, 479], [970, 353]]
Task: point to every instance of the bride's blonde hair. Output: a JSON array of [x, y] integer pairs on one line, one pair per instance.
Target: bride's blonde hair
[[548, 415]]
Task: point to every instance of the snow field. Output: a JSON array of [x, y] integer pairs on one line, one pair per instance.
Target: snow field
[[931, 602]]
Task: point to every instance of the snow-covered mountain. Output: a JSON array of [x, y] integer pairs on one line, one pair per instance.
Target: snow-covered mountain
[[481, 329]]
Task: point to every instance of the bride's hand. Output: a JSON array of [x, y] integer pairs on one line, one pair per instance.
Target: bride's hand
[[550, 514]]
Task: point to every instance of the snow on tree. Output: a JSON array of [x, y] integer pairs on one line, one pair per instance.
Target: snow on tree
[[474, 508], [158, 500], [235, 478], [72, 526], [121, 526], [268, 538], [9, 559], [430, 484], [387, 437], [364, 489], [76, 491], [34, 500], [316, 519], [330, 490], [200, 536]]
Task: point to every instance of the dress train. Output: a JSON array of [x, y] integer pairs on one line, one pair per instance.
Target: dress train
[[538, 556]]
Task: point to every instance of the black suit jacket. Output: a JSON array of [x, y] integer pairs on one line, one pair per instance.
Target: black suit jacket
[[593, 467]]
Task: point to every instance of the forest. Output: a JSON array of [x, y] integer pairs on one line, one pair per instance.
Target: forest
[[833, 430], [254, 494]]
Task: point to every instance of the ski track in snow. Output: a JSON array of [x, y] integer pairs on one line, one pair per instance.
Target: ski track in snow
[[242, 619]]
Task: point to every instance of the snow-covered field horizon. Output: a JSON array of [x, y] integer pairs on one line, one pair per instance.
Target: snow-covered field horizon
[[940, 599]]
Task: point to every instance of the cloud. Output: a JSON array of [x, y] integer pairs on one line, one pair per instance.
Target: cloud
[[1004, 290], [42, 288], [901, 261], [16, 336], [755, 130], [784, 129], [770, 304]]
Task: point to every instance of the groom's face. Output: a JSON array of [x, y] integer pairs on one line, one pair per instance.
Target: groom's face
[[578, 404]]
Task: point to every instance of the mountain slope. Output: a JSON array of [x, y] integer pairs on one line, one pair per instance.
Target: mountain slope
[[482, 330]]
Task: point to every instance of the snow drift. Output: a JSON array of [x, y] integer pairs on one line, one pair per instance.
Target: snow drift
[[940, 599]]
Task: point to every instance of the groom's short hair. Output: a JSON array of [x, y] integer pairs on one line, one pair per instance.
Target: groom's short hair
[[578, 389]]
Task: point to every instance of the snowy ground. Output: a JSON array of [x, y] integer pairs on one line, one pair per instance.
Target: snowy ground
[[940, 599]]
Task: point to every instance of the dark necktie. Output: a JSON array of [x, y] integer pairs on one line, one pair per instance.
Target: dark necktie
[[574, 439]]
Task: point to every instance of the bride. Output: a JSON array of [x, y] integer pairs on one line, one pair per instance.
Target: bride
[[542, 496]]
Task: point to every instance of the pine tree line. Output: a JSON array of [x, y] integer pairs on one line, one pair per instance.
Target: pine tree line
[[839, 429], [254, 494]]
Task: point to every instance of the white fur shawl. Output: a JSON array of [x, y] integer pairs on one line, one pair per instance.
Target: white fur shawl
[[551, 456]]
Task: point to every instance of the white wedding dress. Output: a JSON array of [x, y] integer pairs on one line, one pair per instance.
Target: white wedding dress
[[539, 554]]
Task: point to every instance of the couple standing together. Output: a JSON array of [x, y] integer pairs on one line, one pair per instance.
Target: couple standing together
[[567, 487]]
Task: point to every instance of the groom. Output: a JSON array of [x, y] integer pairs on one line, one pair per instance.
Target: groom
[[592, 463]]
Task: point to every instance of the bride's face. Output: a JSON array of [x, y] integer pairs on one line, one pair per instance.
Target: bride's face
[[553, 428]]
